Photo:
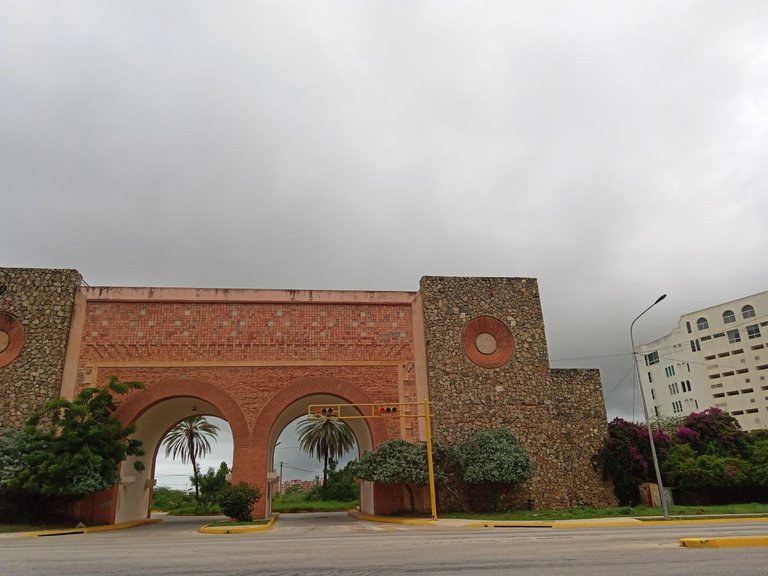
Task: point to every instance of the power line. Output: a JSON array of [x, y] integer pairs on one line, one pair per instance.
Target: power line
[[631, 368], [589, 357], [300, 469]]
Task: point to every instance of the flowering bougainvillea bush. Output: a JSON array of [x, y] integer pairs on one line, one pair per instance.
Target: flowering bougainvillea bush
[[707, 451], [626, 457]]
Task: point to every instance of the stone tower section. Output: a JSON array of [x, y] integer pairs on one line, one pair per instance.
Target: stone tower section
[[488, 367], [36, 307]]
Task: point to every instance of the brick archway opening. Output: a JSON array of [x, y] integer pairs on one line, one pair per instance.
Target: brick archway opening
[[134, 492], [154, 411], [292, 402], [298, 409]]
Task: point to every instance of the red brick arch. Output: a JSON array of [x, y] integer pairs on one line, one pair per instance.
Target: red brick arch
[[301, 388], [132, 408]]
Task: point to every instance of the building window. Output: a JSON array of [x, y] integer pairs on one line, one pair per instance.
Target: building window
[[702, 323], [695, 347], [650, 378], [652, 358], [688, 326], [656, 410], [653, 394], [729, 316], [747, 312], [669, 371], [733, 336], [753, 331]]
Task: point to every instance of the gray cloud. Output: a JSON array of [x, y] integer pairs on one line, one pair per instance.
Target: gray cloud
[[614, 150]]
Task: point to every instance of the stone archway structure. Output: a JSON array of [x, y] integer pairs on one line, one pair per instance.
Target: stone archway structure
[[475, 347]]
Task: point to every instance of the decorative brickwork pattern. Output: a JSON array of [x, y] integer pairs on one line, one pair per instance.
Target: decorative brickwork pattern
[[42, 301], [558, 415], [252, 351]]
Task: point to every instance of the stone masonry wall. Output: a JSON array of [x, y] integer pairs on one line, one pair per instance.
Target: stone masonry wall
[[41, 300], [558, 415]]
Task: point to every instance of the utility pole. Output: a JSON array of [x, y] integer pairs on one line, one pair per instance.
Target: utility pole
[[662, 496]]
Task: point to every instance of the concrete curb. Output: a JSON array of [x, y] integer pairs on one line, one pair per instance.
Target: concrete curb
[[724, 542], [90, 529], [208, 529], [390, 519], [597, 523]]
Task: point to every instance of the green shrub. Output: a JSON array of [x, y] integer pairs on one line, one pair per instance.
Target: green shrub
[[494, 456], [238, 500], [687, 469]]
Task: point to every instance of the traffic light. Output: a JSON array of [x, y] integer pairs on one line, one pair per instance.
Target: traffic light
[[325, 412], [388, 410]]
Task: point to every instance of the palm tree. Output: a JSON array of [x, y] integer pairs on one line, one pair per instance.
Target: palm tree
[[190, 439], [325, 438]]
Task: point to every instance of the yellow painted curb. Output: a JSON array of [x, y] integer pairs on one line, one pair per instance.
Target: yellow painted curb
[[639, 522], [91, 529], [509, 524], [724, 542], [390, 519], [208, 529]]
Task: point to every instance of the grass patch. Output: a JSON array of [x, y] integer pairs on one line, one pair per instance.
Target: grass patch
[[588, 513], [166, 499], [234, 523], [297, 502]]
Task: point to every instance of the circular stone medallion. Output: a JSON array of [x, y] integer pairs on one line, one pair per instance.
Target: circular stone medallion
[[487, 342], [11, 338]]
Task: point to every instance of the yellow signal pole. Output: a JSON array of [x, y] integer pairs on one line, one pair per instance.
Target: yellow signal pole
[[430, 464]]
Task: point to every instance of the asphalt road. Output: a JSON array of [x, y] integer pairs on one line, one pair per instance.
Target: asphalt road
[[334, 544]]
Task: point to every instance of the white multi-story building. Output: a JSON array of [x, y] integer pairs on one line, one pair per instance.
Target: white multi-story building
[[715, 357]]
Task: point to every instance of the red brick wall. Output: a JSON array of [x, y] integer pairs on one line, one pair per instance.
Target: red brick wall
[[251, 360]]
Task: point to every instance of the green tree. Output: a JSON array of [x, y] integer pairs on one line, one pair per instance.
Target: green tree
[[493, 458], [212, 483], [325, 438], [341, 485], [69, 449], [399, 462], [760, 463], [190, 439]]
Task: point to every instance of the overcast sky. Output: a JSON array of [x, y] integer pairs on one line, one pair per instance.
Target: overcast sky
[[615, 150]]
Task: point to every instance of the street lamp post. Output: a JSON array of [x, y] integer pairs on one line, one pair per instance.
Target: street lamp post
[[662, 496]]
